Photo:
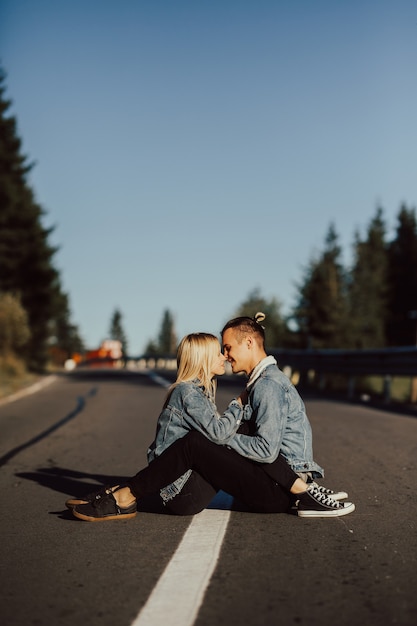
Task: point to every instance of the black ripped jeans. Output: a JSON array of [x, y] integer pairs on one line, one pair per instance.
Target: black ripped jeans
[[218, 468]]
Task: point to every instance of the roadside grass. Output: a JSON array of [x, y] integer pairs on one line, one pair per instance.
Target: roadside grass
[[14, 376], [368, 387], [400, 387]]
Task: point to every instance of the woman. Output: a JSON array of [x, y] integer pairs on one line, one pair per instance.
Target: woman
[[190, 405], [187, 464]]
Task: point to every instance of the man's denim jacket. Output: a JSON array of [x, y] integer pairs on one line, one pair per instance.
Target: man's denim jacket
[[190, 408], [280, 424]]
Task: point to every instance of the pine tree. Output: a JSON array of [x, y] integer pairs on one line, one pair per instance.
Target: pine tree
[[321, 311], [64, 334], [368, 288], [167, 342], [276, 329], [117, 332], [26, 257], [402, 255], [167, 338]]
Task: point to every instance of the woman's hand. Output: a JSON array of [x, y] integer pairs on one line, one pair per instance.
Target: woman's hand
[[243, 398]]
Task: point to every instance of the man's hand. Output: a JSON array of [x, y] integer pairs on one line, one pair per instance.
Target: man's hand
[[243, 398]]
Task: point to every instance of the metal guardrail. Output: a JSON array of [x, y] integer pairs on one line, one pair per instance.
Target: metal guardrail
[[382, 362], [139, 363], [385, 362]]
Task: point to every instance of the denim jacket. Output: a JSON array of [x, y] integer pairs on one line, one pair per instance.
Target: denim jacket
[[280, 422], [189, 408]]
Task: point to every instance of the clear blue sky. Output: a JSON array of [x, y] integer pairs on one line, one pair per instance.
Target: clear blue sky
[[188, 152]]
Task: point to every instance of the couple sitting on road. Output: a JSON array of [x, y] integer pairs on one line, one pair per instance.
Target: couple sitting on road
[[259, 450]]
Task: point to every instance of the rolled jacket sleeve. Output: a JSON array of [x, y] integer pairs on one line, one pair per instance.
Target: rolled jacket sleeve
[[200, 414]]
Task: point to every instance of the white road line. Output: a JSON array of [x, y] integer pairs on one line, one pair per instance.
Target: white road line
[[158, 379], [28, 390], [179, 593]]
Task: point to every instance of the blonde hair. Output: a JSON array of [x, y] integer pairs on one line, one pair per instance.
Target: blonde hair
[[195, 356]]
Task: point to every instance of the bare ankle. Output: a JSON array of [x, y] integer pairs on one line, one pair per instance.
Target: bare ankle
[[124, 497], [299, 486]]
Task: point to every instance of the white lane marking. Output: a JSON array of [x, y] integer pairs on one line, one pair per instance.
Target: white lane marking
[[29, 390], [158, 379], [179, 593]]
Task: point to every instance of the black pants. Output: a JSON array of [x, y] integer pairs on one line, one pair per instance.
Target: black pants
[[194, 497], [223, 469]]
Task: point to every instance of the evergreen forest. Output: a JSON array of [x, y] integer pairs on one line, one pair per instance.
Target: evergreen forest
[[35, 317]]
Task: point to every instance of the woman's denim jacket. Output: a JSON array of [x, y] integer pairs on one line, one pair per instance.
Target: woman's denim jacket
[[189, 408], [280, 424]]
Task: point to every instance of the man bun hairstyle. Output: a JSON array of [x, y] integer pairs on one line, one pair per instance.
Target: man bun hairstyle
[[248, 326], [259, 317]]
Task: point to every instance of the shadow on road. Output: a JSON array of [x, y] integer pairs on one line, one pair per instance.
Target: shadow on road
[[79, 484], [79, 407]]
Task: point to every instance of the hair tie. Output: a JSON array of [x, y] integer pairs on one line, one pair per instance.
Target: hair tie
[[259, 317]]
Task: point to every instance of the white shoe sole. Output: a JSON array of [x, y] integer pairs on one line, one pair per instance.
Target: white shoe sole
[[348, 508]]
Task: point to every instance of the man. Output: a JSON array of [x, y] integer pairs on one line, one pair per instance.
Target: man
[[274, 411]]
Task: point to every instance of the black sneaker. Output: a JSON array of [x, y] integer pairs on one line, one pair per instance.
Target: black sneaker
[[313, 503], [102, 509], [334, 495], [90, 497]]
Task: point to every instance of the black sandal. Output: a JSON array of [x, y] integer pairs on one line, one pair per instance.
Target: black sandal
[[90, 497], [104, 508]]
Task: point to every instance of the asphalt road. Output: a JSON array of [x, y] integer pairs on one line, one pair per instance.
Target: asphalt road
[[89, 429]]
